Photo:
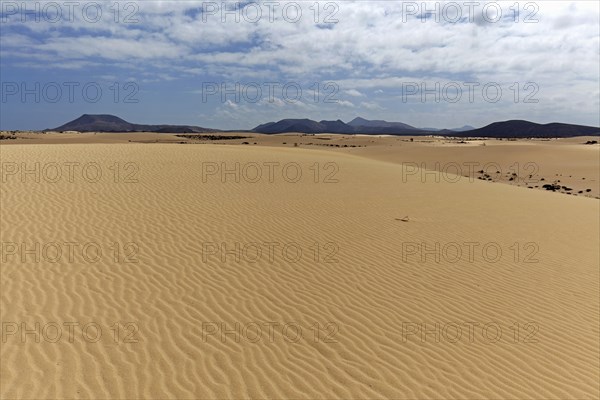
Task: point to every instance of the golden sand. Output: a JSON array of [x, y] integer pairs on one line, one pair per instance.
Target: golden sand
[[349, 300]]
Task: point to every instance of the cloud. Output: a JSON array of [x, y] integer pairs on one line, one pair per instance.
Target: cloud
[[369, 105], [354, 93], [374, 48], [231, 104], [345, 103]]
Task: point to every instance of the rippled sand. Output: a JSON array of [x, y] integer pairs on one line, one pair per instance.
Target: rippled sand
[[353, 316]]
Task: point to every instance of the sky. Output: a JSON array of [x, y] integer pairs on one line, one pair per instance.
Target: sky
[[235, 65]]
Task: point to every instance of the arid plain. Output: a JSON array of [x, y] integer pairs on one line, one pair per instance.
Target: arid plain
[[299, 266]]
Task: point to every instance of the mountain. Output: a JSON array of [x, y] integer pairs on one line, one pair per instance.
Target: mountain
[[111, 123], [354, 127], [463, 129], [357, 126], [527, 129], [335, 126], [291, 125], [505, 129], [97, 123], [361, 122]]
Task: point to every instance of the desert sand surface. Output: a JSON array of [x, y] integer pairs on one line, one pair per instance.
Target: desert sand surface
[[278, 271], [566, 163]]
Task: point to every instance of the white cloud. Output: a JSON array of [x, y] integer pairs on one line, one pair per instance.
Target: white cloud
[[231, 104], [354, 93], [374, 46], [369, 105], [345, 103]]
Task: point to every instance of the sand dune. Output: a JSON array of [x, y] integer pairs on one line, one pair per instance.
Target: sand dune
[[566, 162], [353, 316]]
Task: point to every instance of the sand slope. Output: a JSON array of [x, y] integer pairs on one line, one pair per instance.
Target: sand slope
[[361, 302]]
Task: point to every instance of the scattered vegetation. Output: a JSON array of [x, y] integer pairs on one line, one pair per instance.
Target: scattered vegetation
[[552, 187], [334, 145], [211, 137]]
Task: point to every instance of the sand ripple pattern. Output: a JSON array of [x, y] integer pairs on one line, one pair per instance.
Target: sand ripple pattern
[[171, 293]]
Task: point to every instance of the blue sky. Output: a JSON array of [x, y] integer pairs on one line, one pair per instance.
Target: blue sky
[[203, 63]]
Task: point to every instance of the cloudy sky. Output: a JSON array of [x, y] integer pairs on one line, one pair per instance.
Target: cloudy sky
[[236, 65]]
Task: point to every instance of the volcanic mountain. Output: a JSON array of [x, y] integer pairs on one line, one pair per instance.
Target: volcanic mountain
[[359, 122], [356, 126], [505, 129], [111, 123], [527, 129]]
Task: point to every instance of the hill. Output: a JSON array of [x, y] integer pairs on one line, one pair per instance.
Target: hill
[[505, 129], [354, 127], [111, 123], [361, 122], [527, 129]]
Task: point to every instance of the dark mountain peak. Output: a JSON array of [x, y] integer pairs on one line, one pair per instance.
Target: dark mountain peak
[[100, 117], [112, 123], [97, 122], [518, 128], [338, 126], [303, 125], [514, 122], [359, 122]]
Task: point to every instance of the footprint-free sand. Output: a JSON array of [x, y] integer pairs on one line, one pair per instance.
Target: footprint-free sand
[[135, 271]]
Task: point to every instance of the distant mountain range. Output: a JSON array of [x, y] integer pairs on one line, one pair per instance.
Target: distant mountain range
[[361, 122], [110, 123], [505, 129], [520, 128], [356, 126]]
